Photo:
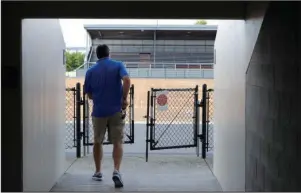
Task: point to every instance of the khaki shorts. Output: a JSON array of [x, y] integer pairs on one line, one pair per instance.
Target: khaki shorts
[[114, 124]]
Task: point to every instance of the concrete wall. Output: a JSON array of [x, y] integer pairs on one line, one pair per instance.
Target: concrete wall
[[43, 103], [273, 130], [234, 44]]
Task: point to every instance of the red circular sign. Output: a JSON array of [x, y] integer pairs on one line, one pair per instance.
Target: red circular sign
[[162, 99]]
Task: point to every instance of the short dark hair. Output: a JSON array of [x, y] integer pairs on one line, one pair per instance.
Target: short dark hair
[[102, 51]]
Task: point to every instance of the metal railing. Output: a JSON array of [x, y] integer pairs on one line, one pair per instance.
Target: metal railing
[[134, 48], [164, 65], [157, 70], [207, 120]]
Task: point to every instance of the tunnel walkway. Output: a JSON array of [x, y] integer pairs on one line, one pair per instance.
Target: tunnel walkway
[[161, 173]]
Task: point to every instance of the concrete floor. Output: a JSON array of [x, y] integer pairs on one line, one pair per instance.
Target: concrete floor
[[160, 173]]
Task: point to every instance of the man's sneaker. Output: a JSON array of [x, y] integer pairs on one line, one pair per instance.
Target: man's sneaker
[[117, 179], [97, 176]]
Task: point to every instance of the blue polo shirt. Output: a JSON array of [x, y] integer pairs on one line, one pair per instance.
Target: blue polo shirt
[[104, 81]]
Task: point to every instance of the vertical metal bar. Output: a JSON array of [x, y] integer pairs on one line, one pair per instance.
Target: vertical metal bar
[[154, 48], [84, 123], [129, 117], [204, 107], [196, 96], [147, 126], [152, 118], [198, 130], [133, 115], [207, 121], [78, 121], [88, 125], [74, 117]]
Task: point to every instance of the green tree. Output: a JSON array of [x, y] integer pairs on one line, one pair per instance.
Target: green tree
[[201, 22], [74, 60]]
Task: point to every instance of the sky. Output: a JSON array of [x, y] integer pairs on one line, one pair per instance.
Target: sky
[[75, 34]]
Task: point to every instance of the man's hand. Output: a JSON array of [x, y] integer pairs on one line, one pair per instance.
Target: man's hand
[[89, 96], [125, 103]]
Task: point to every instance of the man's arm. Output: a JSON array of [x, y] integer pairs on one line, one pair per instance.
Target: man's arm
[[126, 83], [87, 88], [126, 86]]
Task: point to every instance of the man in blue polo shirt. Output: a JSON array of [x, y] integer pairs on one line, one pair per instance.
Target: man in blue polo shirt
[[107, 83]]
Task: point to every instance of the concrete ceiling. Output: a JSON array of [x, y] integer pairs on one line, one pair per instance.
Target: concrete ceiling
[[130, 9]]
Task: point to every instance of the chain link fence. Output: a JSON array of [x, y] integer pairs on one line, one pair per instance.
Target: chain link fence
[[174, 121], [70, 118]]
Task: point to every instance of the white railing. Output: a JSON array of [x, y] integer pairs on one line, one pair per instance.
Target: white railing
[[164, 65], [158, 70]]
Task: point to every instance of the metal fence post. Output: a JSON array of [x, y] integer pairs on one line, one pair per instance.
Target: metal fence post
[[84, 123], [196, 117], [147, 127], [133, 115], [152, 119], [78, 120], [74, 117], [198, 130], [87, 126], [204, 120]]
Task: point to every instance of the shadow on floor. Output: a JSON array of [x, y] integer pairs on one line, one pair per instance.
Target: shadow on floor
[[160, 173]]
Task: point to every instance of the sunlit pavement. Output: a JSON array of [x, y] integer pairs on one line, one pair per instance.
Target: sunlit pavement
[[160, 173]]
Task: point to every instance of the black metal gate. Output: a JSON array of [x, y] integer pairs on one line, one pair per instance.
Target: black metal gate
[[172, 119], [207, 120], [79, 129], [88, 127], [73, 119]]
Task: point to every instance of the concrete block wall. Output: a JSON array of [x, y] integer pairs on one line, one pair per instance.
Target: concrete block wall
[[273, 130]]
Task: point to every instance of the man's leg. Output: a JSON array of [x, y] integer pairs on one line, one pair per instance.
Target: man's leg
[[99, 126], [116, 126], [117, 154]]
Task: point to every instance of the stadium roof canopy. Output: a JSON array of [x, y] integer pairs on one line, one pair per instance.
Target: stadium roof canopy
[[146, 32]]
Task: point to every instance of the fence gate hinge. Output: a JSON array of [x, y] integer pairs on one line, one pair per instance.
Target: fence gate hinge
[[200, 103], [150, 141], [82, 101], [149, 124], [201, 137], [81, 134]]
